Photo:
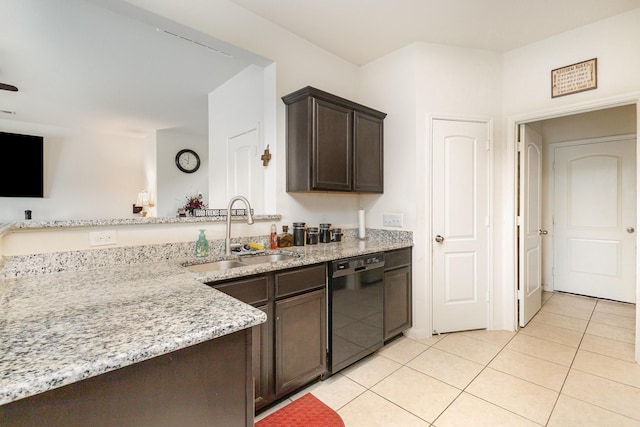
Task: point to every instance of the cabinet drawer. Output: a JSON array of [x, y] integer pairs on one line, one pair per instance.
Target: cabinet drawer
[[296, 281], [250, 291], [397, 258]]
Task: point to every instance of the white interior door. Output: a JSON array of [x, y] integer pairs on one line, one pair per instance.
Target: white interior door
[[460, 252], [530, 225], [595, 219], [244, 168]]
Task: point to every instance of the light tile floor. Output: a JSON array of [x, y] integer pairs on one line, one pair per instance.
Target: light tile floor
[[572, 365]]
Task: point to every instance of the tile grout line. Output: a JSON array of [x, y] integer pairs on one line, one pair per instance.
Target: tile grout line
[[571, 364], [486, 365], [404, 363]]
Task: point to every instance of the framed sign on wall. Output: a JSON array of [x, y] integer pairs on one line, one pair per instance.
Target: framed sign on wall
[[574, 78]]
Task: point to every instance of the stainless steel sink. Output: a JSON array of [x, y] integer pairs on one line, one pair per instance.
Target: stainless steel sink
[[216, 266], [244, 261], [267, 258]]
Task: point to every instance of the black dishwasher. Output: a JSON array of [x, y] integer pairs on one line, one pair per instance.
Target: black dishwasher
[[355, 306]]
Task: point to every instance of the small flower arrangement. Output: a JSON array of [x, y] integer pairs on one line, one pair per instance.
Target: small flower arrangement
[[194, 202]]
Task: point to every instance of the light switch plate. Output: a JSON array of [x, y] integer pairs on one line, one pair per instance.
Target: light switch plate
[[392, 220], [102, 238]]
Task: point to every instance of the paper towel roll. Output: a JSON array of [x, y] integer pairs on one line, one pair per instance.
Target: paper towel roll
[[361, 226]]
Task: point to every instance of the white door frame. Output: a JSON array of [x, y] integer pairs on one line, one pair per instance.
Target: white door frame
[[510, 202]]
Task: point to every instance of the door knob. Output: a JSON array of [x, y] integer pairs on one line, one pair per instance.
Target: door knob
[[439, 239], [543, 232], [630, 229]]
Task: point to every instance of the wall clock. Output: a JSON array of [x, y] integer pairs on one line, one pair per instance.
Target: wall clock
[[187, 161]]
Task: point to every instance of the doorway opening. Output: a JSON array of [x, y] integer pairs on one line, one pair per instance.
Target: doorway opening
[[581, 160]]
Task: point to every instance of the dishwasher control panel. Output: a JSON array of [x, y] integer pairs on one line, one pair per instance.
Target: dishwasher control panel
[[358, 263]]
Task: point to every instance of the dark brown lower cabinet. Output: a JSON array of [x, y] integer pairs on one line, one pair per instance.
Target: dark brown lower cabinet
[[262, 359], [300, 340], [397, 292], [289, 349], [257, 291], [208, 384]]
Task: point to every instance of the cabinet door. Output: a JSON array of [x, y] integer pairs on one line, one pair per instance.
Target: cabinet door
[[368, 168], [397, 301], [331, 146], [300, 340], [262, 359]]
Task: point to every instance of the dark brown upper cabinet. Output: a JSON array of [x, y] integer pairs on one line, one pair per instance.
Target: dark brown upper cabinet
[[333, 144]]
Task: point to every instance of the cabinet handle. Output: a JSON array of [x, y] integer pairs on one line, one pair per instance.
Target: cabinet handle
[[543, 232], [439, 239]]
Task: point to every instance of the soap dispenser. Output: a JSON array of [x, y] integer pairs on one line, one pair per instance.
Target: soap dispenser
[[202, 245]]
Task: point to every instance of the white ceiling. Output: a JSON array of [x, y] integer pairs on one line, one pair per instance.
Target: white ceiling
[[78, 63], [363, 30], [107, 65]]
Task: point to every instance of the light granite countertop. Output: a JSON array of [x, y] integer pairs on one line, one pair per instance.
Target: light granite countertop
[[6, 226], [59, 328], [131, 221], [307, 255]]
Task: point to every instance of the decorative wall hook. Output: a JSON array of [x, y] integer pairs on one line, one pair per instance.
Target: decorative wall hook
[[266, 156]]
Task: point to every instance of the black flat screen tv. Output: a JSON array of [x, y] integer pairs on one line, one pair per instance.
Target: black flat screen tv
[[21, 165]]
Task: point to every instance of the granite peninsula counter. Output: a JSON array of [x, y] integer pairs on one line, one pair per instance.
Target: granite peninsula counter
[[60, 328], [56, 329]]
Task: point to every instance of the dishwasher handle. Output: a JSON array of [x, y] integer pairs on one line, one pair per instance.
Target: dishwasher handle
[[355, 270], [356, 265]]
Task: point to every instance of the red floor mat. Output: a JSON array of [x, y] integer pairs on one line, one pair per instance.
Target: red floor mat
[[306, 411]]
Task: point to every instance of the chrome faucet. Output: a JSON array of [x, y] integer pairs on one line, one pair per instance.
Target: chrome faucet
[[227, 242]]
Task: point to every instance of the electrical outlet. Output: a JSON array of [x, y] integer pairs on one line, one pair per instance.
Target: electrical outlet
[[392, 220], [102, 238]]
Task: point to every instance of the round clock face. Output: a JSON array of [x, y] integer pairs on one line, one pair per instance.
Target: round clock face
[[187, 161]]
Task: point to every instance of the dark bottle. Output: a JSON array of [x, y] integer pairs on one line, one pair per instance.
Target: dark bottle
[[273, 237], [298, 233], [325, 233], [285, 239], [312, 236]]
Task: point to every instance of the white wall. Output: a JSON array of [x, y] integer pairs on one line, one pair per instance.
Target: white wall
[[593, 124], [299, 63], [236, 107], [83, 170], [615, 42], [412, 85], [174, 185], [150, 172]]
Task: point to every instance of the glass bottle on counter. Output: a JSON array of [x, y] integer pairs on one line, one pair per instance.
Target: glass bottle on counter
[[202, 245], [273, 237], [285, 239]]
